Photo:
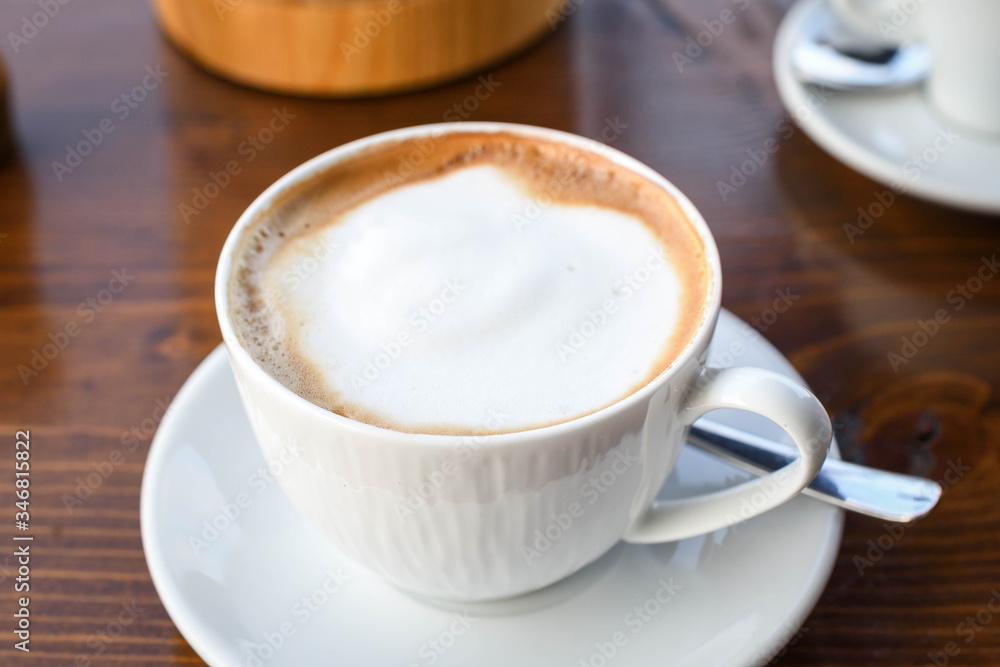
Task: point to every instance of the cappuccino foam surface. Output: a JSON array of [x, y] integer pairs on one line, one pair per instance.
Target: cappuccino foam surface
[[506, 285]]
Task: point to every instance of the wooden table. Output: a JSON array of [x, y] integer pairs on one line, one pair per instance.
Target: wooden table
[[105, 270]]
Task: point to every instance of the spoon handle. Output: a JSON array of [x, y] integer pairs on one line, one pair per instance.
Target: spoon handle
[[877, 493]]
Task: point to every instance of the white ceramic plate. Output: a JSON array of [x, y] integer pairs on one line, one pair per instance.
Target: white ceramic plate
[[266, 589], [888, 136]]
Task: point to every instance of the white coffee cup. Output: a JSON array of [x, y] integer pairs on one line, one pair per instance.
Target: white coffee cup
[[888, 22], [503, 514], [964, 80]]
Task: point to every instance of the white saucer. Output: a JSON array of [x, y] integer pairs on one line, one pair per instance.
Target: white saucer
[[740, 593], [878, 133]]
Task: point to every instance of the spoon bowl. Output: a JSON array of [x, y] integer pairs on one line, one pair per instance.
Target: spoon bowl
[[860, 67]]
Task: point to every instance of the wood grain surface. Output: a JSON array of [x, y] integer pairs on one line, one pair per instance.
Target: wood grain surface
[[106, 266]]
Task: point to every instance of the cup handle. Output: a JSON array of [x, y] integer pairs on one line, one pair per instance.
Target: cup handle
[[771, 395]]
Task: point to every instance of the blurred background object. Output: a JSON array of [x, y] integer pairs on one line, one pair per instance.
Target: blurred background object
[[5, 136], [353, 47]]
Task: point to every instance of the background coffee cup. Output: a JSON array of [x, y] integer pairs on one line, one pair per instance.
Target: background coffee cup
[[964, 79], [888, 22], [481, 517]]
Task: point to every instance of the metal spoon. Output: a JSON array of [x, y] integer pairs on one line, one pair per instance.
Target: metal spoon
[[877, 493], [860, 67]]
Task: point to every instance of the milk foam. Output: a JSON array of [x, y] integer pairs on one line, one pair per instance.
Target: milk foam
[[465, 303]]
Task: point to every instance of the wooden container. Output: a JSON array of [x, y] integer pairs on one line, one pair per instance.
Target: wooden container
[[353, 47]]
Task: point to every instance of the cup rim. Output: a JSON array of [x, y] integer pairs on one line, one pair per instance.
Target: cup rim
[[321, 162]]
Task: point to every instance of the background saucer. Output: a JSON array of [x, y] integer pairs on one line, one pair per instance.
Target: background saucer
[[266, 589], [888, 136]]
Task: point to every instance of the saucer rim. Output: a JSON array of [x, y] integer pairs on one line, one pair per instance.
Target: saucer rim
[[208, 647], [213, 647]]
